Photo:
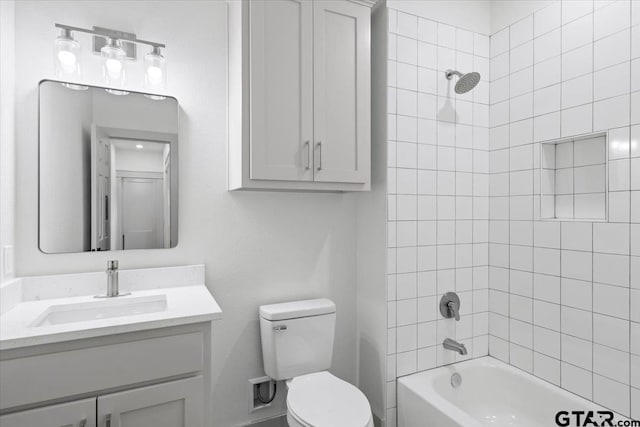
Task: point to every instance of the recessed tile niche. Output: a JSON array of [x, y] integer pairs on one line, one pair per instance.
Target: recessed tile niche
[[574, 178]]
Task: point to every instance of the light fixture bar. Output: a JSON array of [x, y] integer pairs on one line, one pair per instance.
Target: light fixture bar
[[103, 32]]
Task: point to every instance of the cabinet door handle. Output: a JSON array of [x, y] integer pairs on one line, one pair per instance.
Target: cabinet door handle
[[107, 421], [308, 159], [320, 155]]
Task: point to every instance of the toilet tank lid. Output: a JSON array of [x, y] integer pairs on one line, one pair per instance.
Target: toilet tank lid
[[297, 309]]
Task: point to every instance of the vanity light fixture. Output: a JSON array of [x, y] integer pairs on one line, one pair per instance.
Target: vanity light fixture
[[113, 63], [66, 58], [155, 73], [117, 48]]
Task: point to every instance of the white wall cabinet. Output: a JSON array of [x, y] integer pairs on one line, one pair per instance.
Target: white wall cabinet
[[299, 95]]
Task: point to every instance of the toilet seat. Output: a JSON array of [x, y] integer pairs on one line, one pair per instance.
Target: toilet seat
[[323, 400]]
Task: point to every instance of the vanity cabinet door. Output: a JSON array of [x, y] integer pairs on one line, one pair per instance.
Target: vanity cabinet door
[[81, 413], [172, 404], [281, 49], [342, 95]]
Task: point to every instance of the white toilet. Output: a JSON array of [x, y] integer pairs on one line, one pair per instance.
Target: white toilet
[[297, 346]]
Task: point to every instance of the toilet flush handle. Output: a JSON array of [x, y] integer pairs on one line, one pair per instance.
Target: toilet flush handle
[[280, 328]]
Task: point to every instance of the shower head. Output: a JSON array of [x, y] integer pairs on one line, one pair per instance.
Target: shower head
[[466, 82]]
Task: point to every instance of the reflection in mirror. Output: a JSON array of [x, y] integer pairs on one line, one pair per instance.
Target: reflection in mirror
[[108, 170]]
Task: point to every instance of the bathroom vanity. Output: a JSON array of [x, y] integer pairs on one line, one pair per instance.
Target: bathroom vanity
[[68, 358]]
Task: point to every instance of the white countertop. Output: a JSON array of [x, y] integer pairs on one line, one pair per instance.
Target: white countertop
[[26, 299]]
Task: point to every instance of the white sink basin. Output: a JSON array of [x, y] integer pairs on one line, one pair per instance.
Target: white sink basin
[[101, 309]]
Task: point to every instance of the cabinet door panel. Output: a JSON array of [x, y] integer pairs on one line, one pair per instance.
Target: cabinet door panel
[[342, 79], [173, 404], [281, 46], [81, 413]]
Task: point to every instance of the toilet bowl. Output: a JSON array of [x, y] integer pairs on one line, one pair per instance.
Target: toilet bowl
[[297, 346], [323, 400]]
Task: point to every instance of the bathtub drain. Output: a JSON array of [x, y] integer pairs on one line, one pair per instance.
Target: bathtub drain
[[456, 380]]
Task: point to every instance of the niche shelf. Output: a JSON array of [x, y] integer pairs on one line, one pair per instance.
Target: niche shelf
[[573, 175]]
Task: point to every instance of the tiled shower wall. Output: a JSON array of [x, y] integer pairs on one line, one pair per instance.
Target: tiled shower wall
[[564, 296], [438, 195]]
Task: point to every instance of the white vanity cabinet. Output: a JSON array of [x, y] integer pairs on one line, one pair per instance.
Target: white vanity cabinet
[[159, 378], [172, 404], [299, 95], [81, 413]]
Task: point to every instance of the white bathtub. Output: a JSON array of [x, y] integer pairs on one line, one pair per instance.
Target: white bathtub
[[492, 393]]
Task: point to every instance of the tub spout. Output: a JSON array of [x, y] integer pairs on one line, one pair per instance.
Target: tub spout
[[452, 345]]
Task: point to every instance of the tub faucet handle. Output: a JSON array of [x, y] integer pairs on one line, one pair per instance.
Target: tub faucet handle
[[454, 309], [450, 306]]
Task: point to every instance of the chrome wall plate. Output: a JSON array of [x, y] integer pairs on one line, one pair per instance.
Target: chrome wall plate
[[450, 305], [99, 41]]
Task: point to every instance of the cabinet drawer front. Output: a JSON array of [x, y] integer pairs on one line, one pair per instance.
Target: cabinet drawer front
[[81, 413], [50, 376]]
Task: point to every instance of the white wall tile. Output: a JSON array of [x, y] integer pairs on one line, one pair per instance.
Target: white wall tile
[[547, 19], [427, 30], [407, 25], [577, 91], [611, 269], [546, 368], [546, 100], [577, 380], [575, 9], [500, 42], [611, 18], [522, 31], [611, 394], [611, 238], [577, 323], [611, 113], [577, 33], [611, 331], [577, 351], [576, 265], [519, 83], [577, 294], [481, 45], [612, 50], [612, 81], [577, 62], [446, 35], [577, 120], [546, 127], [546, 46]]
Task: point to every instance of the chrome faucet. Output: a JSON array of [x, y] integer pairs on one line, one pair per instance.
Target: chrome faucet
[[452, 345], [450, 306], [112, 281]]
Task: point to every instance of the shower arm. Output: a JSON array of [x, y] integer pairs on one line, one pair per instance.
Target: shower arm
[[450, 73]]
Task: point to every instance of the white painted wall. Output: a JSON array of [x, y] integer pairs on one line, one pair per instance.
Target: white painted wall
[[139, 160], [471, 15], [257, 247], [7, 144]]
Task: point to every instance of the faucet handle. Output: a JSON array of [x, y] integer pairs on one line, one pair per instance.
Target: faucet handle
[[453, 308], [450, 306], [112, 264]]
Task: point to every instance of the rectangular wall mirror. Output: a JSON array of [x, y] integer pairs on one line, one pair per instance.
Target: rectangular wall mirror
[[108, 169]]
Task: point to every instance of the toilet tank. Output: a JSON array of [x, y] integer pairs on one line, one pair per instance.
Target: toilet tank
[[297, 337]]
